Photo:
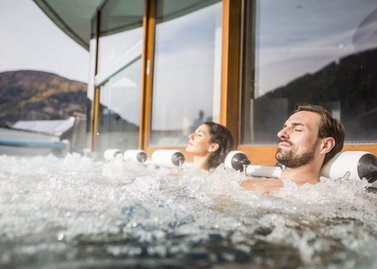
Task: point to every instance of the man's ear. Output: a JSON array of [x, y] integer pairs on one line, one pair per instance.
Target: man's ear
[[213, 147], [327, 144]]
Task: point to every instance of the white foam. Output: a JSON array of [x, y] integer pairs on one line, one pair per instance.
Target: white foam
[[64, 199]]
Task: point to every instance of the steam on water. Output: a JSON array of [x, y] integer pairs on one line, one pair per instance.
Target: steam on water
[[77, 212]]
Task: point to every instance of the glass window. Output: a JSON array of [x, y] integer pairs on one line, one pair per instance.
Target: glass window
[[119, 74], [119, 118], [120, 32], [186, 81], [315, 51]]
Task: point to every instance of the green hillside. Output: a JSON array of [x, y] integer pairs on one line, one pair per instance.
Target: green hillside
[[36, 95]]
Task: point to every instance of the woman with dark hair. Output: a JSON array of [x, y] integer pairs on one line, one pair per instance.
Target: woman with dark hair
[[209, 145]]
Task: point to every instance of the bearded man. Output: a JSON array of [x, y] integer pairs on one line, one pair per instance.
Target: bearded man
[[308, 140]]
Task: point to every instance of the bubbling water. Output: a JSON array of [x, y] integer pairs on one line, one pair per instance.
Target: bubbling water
[[77, 212]]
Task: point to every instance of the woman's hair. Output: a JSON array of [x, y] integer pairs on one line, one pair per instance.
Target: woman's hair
[[328, 127], [221, 136]]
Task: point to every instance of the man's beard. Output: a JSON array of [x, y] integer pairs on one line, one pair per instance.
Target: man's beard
[[292, 160]]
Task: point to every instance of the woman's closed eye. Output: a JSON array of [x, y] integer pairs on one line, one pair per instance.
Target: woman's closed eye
[[199, 133]]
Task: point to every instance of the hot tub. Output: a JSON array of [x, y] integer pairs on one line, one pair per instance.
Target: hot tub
[[77, 212]]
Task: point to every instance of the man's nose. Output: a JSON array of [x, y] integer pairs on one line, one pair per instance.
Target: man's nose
[[283, 133]]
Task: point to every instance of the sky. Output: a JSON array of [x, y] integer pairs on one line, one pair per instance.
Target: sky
[[326, 33], [31, 41]]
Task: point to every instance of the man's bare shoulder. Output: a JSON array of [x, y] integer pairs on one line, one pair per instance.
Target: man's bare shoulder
[[262, 185]]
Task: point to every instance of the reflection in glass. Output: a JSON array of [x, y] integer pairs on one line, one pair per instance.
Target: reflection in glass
[[120, 30], [320, 52], [186, 83], [119, 74], [120, 109]]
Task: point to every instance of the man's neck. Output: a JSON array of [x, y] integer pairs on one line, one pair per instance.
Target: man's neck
[[302, 175]]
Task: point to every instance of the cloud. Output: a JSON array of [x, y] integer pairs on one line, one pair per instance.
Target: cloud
[[31, 41]]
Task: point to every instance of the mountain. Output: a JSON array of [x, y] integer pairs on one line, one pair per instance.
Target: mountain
[[349, 83], [37, 95]]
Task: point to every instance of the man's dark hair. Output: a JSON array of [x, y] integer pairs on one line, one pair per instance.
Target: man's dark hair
[[328, 127]]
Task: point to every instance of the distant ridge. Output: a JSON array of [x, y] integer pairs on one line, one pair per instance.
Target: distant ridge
[[351, 82], [38, 95]]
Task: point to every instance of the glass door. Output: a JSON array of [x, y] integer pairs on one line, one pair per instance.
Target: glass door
[[187, 69]]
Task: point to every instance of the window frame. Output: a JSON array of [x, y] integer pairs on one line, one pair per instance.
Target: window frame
[[265, 154], [231, 94], [229, 102]]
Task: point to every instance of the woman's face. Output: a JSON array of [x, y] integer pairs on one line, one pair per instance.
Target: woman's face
[[199, 142]]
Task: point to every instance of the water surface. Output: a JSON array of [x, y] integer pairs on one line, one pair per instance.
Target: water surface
[[76, 212]]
